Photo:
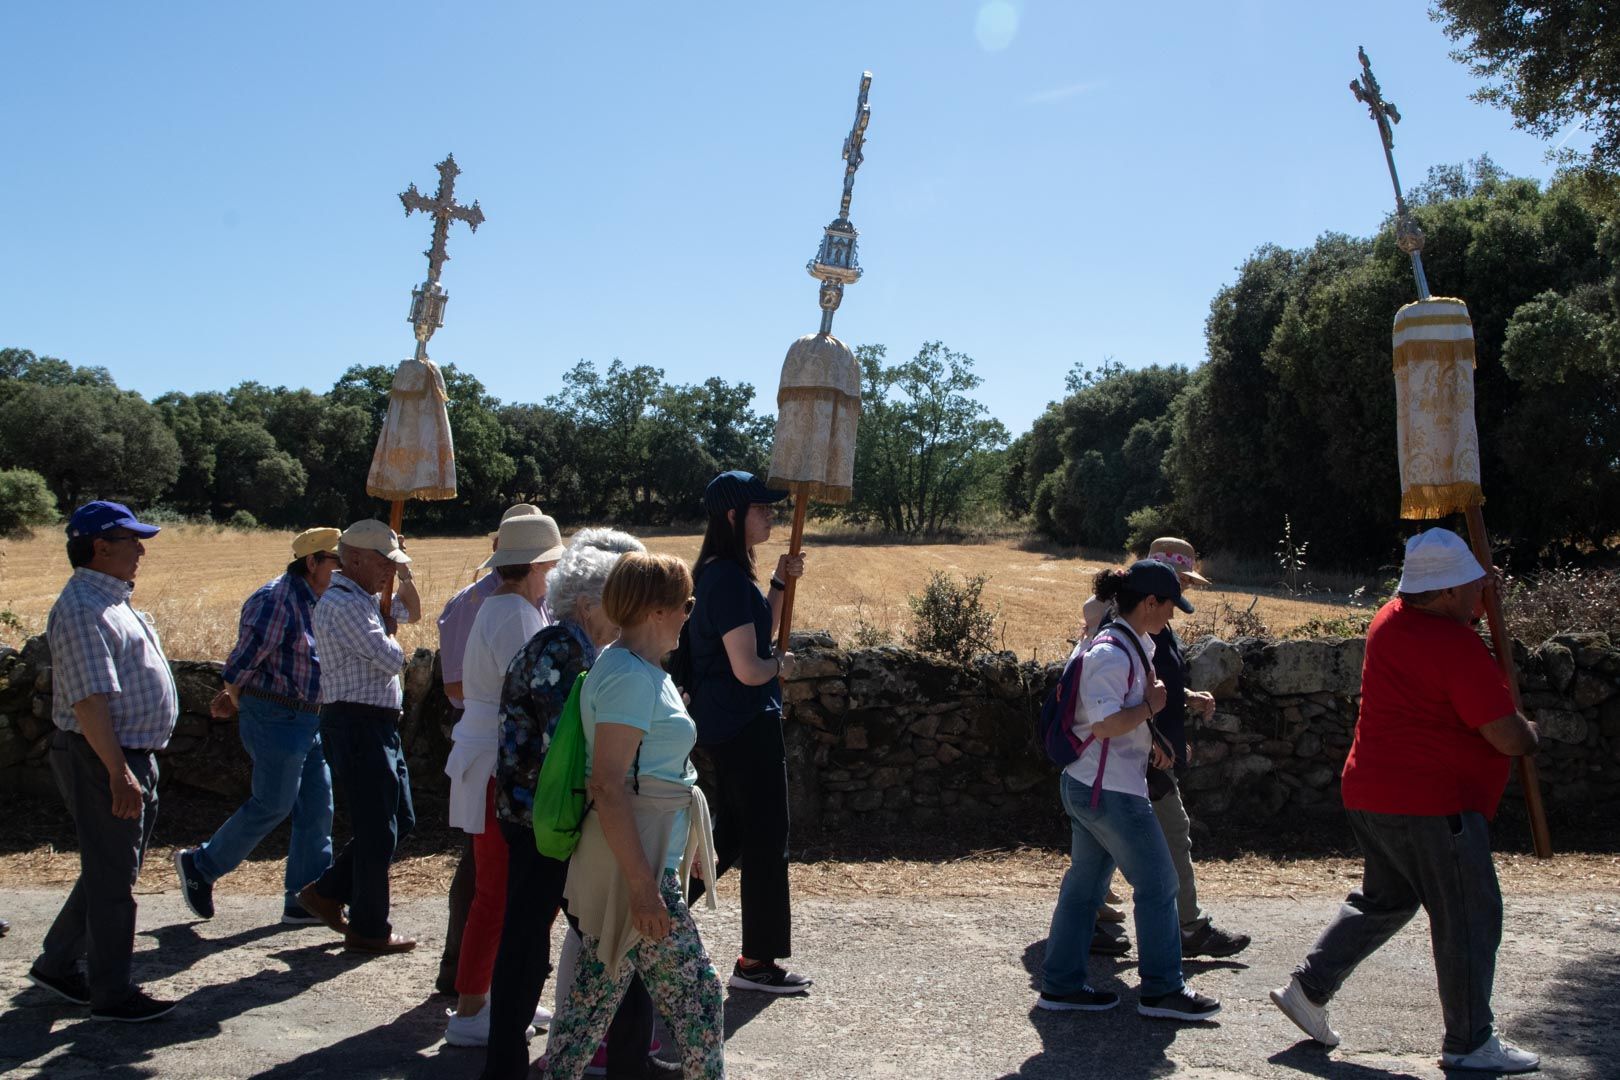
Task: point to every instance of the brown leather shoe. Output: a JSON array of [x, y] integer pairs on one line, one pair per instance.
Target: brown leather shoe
[[328, 911], [379, 946]]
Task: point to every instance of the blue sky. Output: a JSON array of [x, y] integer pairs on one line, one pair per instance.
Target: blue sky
[[199, 194]]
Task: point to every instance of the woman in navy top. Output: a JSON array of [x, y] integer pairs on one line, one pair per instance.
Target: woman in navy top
[[736, 689]]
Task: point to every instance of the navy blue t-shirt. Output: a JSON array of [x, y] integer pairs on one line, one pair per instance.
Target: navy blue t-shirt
[[721, 704], [1170, 664]]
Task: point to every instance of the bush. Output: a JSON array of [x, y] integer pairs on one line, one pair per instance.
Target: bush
[[25, 500], [243, 520], [1563, 601], [949, 619], [1146, 525]]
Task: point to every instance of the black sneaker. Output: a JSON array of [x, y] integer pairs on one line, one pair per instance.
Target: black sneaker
[[1109, 940], [1084, 999], [135, 1009], [294, 914], [771, 978], [1184, 1004], [1211, 940], [71, 987], [197, 893]]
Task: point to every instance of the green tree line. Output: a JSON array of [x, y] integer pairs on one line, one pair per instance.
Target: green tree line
[[1293, 411]]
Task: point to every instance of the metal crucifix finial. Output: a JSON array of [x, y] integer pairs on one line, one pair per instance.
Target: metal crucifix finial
[[1408, 237], [835, 264], [428, 299]]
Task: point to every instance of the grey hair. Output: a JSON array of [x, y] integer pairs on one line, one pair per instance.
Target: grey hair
[[584, 568]]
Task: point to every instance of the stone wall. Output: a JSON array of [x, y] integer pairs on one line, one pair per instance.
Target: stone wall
[[883, 739]]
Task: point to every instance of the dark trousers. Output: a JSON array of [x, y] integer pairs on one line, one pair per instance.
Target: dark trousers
[[373, 785], [534, 888], [97, 921], [1442, 864], [462, 887], [751, 831]]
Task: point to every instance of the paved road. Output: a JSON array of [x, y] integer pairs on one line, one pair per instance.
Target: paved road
[[905, 989]]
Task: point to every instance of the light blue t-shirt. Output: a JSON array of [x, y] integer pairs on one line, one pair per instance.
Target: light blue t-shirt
[[622, 688]]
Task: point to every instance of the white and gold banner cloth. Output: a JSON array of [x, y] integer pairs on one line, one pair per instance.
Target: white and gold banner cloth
[[817, 406], [415, 456], [1434, 408]]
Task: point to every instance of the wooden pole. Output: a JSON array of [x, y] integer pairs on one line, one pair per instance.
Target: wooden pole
[[1529, 778], [396, 518], [795, 543]]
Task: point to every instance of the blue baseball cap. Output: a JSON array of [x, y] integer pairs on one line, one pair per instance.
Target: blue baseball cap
[[1150, 577], [95, 518], [738, 490]]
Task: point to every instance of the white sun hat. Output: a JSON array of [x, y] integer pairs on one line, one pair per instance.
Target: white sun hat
[[526, 538], [1438, 559]]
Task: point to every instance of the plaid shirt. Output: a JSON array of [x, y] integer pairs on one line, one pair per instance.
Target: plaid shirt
[[360, 663], [102, 645], [275, 647]]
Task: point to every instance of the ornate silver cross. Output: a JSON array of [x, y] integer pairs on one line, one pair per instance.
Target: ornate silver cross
[[1408, 237], [428, 299], [835, 264]]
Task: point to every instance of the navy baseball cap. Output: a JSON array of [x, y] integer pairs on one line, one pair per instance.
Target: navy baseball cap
[[737, 490], [1150, 577], [95, 518]]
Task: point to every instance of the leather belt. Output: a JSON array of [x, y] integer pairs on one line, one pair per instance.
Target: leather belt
[[281, 699]]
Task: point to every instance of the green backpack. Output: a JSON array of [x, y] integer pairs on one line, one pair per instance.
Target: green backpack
[[559, 794]]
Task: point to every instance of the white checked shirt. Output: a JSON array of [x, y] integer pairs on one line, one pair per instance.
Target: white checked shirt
[[102, 645], [359, 661]]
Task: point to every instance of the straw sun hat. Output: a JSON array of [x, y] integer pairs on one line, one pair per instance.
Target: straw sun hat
[[526, 538], [1180, 556]]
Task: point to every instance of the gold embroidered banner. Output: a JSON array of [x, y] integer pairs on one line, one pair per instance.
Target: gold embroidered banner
[[415, 456], [817, 407], [1434, 408]]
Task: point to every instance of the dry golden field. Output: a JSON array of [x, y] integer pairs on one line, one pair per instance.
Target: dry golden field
[[194, 579]]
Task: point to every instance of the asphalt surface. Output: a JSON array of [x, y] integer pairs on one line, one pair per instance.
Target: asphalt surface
[[904, 988]]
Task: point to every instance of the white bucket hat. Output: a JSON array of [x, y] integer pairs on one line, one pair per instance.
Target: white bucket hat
[[1438, 559], [526, 538]]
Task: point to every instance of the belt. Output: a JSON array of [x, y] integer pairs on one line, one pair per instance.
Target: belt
[[359, 710], [283, 700]]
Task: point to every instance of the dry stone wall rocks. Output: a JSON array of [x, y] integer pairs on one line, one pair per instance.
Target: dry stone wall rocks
[[885, 739]]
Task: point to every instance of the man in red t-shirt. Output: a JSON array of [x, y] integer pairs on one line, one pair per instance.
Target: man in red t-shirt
[[1425, 772]]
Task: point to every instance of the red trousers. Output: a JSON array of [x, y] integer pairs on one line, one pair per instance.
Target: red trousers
[[482, 937]]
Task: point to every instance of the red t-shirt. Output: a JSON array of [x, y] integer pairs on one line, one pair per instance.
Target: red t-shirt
[[1428, 683]]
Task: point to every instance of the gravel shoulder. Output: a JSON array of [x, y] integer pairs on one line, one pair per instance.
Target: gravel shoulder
[[920, 984]]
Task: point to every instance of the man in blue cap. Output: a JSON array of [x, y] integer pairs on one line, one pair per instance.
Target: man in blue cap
[[114, 705]]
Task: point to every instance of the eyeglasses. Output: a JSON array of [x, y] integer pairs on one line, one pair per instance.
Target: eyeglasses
[[118, 539]]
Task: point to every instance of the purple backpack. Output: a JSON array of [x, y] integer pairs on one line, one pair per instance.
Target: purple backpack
[[1054, 727]]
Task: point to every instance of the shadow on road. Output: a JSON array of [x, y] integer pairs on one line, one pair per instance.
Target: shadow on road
[[741, 1008], [389, 1050], [1580, 1016], [1313, 1059], [34, 1027]]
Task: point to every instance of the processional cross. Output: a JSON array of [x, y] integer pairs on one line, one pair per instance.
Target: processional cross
[[835, 264], [428, 299], [1408, 237]]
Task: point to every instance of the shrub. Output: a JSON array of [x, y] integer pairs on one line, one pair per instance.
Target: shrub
[[1561, 601], [25, 500], [1146, 525], [243, 520], [1222, 620], [949, 618]]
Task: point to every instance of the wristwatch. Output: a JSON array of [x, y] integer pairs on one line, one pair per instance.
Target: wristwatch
[[777, 584]]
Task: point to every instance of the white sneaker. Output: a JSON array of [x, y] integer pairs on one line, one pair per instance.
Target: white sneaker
[[542, 1017], [1497, 1056], [1306, 1014], [467, 1030]]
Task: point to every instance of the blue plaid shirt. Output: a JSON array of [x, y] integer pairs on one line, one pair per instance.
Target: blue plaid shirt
[[275, 647], [360, 663], [102, 645]]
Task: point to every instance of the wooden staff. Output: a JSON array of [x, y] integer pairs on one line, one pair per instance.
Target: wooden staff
[[795, 545], [1529, 777], [396, 518]]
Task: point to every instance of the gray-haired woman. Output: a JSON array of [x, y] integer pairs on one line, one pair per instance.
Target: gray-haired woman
[[537, 685]]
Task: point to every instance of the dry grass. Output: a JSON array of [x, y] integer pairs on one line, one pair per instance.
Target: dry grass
[[194, 579], [1021, 872]]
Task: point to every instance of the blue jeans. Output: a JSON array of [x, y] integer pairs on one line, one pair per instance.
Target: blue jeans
[[1120, 830], [289, 777]]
